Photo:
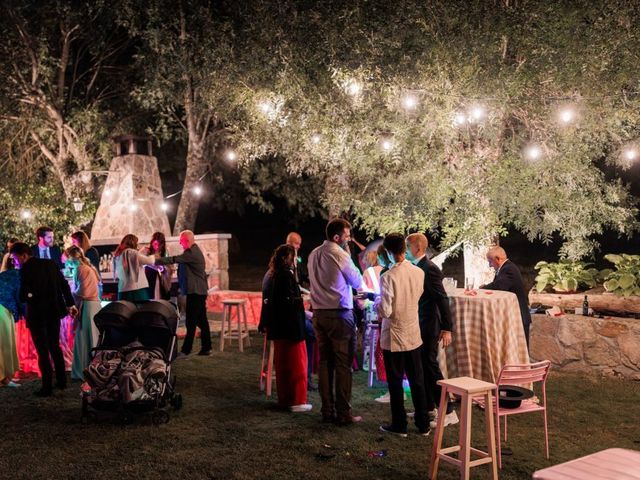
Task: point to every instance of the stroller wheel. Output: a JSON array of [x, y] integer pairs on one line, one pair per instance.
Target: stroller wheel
[[160, 417], [176, 401]]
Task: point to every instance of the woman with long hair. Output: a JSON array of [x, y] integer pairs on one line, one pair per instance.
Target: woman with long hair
[[127, 262], [86, 281], [10, 311], [80, 239], [384, 262], [158, 276], [284, 322], [7, 262]]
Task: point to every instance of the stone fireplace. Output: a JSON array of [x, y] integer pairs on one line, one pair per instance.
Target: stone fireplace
[[132, 197], [132, 201]]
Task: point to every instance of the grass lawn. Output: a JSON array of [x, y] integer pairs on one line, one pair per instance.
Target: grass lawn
[[227, 429]]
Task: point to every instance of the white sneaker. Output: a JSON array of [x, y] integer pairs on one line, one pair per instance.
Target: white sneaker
[[449, 419], [386, 398], [303, 407], [433, 414]]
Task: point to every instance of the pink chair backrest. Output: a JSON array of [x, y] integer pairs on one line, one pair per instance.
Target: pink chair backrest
[[521, 374]]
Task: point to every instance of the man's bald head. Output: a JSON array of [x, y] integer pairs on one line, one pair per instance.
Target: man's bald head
[[187, 239], [417, 244], [295, 240], [496, 256]]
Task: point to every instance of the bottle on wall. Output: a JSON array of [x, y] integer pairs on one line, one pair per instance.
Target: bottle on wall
[[585, 306]]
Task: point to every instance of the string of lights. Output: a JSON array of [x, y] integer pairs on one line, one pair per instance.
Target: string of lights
[[477, 112]]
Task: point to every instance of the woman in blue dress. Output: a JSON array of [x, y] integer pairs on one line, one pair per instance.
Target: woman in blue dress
[[10, 311]]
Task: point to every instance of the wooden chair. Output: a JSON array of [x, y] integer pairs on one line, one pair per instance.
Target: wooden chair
[[374, 331], [266, 368], [228, 306], [467, 388], [524, 375]]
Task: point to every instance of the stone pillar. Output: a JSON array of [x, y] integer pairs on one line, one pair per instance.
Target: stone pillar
[[131, 201]]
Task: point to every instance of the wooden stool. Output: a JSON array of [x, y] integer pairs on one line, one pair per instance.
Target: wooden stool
[[227, 314], [466, 388], [266, 376]]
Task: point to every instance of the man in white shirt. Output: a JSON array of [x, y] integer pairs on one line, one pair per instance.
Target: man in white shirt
[[332, 276], [401, 288]]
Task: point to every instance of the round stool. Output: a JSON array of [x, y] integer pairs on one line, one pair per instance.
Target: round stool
[[466, 388], [241, 333]]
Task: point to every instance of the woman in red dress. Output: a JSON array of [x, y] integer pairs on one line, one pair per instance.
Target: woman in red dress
[[283, 319]]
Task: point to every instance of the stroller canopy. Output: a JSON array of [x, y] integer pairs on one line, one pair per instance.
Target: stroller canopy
[[115, 315], [156, 314]]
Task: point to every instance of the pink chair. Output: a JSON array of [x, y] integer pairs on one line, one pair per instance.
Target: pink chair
[[266, 368], [525, 375]]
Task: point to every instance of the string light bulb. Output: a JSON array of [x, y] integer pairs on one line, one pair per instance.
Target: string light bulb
[[231, 155], [567, 115], [133, 207], [107, 192], [386, 144], [197, 190], [533, 152], [477, 113], [164, 206], [459, 119], [409, 102], [631, 153], [315, 139], [354, 88], [25, 214]]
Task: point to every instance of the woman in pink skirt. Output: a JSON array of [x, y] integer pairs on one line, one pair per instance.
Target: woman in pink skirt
[[283, 319]]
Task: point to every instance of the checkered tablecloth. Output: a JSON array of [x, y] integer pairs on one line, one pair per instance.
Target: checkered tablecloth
[[488, 334]]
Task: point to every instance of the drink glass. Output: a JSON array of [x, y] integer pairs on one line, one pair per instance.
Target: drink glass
[[468, 284]]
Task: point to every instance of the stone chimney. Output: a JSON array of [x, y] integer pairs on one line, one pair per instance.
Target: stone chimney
[[132, 198]]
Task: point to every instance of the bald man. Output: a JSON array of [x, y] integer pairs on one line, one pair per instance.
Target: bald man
[[192, 278], [435, 325], [509, 279], [300, 270]]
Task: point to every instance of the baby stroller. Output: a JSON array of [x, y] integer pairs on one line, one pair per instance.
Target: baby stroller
[[130, 372]]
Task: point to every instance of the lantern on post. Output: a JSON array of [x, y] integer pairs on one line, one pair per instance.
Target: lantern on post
[[77, 204]]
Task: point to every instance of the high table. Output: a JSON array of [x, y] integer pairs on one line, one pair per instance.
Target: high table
[[611, 464], [487, 334]]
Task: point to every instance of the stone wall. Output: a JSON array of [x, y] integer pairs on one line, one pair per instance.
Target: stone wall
[[586, 344], [214, 246]]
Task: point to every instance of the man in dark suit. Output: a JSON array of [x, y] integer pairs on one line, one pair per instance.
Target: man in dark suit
[[192, 279], [48, 298], [45, 247], [435, 323], [509, 279]]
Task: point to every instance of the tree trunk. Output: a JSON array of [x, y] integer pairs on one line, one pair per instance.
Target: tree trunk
[[189, 201], [476, 266]]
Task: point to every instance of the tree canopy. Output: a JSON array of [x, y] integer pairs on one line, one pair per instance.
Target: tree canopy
[[457, 117]]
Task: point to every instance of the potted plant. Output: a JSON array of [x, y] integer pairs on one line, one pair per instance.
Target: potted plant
[[566, 276], [624, 281]]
